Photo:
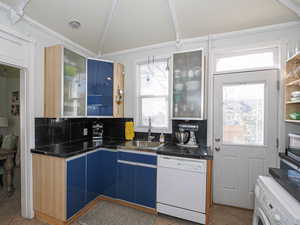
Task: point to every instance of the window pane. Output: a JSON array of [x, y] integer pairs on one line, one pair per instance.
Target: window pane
[[243, 114], [154, 78], [157, 109], [248, 61]]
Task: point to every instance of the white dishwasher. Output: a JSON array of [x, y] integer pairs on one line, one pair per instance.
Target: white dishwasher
[[181, 187]]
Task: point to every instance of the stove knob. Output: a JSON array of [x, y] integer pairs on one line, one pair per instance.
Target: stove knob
[[277, 217]]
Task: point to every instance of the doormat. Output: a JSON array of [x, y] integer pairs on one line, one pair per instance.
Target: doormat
[[108, 213]]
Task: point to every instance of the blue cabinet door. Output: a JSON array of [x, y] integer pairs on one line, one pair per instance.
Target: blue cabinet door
[[145, 186], [125, 182], [100, 88], [93, 175], [76, 182], [108, 173]]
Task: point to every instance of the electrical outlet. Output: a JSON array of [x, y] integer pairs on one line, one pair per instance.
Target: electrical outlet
[[85, 132]]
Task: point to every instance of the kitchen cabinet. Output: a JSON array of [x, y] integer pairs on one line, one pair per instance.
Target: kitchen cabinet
[[100, 88], [93, 175], [65, 83], [108, 172], [145, 186], [188, 85], [76, 185], [126, 182], [105, 88], [137, 178]]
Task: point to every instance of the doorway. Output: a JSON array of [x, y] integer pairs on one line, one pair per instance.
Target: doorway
[[10, 162], [245, 134]]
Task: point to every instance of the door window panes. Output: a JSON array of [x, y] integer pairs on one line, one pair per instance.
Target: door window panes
[[243, 114]]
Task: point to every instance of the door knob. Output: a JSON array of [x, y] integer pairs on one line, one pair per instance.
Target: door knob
[[217, 149]]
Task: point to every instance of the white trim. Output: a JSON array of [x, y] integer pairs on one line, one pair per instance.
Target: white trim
[[107, 24], [175, 22], [211, 37], [292, 5]]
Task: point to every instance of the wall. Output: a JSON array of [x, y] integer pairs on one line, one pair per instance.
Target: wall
[[269, 36], [43, 37]]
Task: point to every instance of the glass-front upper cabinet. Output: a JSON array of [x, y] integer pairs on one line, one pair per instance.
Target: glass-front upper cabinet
[[188, 85], [74, 84]]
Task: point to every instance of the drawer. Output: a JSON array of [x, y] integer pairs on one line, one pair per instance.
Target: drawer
[[137, 157]]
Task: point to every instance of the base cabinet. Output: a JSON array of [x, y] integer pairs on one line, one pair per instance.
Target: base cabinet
[[145, 186], [137, 179], [93, 183], [76, 188]]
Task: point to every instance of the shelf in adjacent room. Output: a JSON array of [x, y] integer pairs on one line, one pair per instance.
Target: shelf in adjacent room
[[294, 102], [294, 83], [292, 121]]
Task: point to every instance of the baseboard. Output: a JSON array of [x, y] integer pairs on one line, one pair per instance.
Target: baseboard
[[128, 204]]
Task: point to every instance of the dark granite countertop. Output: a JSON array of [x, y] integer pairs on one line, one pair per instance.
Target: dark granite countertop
[[66, 150], [288, 179], [289, 159], [203, 152]]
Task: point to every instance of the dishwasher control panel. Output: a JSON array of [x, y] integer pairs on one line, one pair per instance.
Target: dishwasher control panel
[[195, 165]]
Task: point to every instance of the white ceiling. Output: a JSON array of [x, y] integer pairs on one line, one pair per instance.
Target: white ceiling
[[137, 23]]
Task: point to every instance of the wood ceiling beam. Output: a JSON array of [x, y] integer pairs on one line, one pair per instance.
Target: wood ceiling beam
[[292, 5], [175, 23], [107, 24]]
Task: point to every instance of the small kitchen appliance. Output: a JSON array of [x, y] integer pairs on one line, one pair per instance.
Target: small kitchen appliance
[[97, 131], [186, 135]]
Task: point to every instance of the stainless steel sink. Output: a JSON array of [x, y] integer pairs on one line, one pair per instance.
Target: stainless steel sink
[[147, 145]]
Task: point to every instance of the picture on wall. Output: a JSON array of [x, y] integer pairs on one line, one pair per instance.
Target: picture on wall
[[15, 103]]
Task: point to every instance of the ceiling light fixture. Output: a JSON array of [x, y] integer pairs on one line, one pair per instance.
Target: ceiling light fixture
[[74, 24]]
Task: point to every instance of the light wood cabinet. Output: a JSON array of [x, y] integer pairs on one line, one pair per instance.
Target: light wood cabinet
[[65, 83], [292, 85], [73, 87]]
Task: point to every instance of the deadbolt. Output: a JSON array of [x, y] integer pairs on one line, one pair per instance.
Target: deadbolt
[[217, 139]]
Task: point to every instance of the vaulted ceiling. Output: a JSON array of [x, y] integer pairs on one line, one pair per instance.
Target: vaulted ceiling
[[137, 23]]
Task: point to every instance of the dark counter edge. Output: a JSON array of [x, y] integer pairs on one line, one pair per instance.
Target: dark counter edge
[[284, 184], [159, 152], [289, 159]]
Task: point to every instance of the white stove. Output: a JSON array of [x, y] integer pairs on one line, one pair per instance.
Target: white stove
[[274, 205]]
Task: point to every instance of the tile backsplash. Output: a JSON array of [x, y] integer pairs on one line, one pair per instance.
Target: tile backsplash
[[56, 131]]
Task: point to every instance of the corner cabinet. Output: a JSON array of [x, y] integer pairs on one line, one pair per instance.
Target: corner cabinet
[[77, 87], [188, 85], [65, 83]]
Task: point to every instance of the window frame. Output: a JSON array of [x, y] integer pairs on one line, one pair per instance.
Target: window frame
[[241, 52], [138, 98]]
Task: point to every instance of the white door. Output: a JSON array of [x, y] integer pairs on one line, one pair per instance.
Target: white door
[[245, 131]]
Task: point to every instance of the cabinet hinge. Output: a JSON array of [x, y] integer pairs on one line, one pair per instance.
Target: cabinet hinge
[[278, 85], [277, 142]]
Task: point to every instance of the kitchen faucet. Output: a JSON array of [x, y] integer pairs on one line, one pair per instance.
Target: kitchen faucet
[[150, 138]]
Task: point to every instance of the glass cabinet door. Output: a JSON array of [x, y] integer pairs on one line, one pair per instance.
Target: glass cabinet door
[[74, 96], [188, 84]]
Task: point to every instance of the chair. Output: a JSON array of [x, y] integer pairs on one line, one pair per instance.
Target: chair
[[8, 152]]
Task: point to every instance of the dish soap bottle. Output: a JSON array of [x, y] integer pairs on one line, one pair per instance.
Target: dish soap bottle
[[162, 138]]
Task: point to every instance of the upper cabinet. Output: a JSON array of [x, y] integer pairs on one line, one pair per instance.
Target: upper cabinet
[[65, 83], [188, 85], [79, 87], [105, 88]]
